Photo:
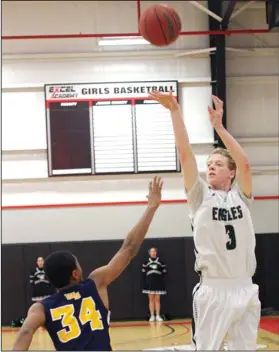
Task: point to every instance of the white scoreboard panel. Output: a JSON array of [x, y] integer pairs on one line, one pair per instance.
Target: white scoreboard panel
[[155, 139], [113, 136], [120, 131]]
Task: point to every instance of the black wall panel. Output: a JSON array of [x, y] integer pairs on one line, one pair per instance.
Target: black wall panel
[[270, 270], [126, 300], [13, 283]]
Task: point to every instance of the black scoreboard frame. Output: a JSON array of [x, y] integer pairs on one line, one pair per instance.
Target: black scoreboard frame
[[48, 134]]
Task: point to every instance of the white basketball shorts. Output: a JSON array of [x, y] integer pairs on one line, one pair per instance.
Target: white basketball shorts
[[226, 308]]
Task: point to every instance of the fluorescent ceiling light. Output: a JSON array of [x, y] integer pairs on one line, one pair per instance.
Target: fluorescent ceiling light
[[123, 41]]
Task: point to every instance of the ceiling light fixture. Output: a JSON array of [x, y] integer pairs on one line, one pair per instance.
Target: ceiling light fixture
[[122, 41]]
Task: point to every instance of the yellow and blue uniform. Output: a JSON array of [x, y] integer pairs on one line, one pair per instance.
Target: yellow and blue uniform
[[77, 320]]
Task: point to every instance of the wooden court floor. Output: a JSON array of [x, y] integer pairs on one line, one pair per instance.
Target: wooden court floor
[[143, 335]]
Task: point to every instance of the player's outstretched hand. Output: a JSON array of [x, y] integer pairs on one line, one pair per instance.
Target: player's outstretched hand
[[167, 100], [155, 192], [216, 115]]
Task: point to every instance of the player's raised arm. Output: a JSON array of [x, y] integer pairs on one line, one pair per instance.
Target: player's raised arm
[[105, 275], [186, 155], [243, 174], [35, 319]]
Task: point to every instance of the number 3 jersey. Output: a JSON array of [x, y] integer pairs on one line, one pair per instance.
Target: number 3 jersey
[[77, 320], [224, 236]]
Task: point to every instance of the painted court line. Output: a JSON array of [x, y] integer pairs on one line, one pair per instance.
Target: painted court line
[[124, 325]]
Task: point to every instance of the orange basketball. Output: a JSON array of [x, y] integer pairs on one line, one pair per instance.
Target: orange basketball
[[160, 25]]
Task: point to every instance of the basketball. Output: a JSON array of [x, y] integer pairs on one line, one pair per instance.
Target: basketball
[[160, 25]]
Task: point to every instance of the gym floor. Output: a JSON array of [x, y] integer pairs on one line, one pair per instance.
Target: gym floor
[[144, 335]]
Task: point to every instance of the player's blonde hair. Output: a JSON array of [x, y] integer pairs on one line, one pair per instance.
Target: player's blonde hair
[[226, 154]]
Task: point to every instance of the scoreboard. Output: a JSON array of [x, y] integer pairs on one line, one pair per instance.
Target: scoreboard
[[109, 128]]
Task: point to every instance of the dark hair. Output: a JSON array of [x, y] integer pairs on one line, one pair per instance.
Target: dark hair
[[59, 267]]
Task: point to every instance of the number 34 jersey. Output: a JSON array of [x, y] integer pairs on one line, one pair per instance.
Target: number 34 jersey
[[224, 236], [77, 320]]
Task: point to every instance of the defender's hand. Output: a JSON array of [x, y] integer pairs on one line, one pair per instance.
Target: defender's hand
[[154, 195], [216, 115], [167, 100]]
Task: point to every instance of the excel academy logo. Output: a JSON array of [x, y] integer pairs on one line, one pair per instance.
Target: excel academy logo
[[62, 92]]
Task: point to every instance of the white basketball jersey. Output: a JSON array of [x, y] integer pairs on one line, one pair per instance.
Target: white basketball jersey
[[224, 235]]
